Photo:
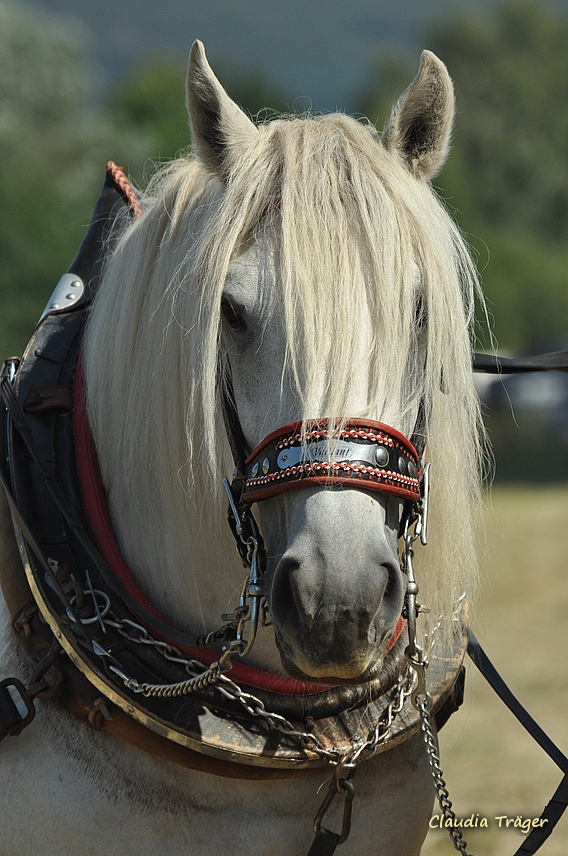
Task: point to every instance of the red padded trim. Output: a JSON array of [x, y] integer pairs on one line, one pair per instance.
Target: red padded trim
[[296, 427], [397, 633], [103, 535], [251, 495]]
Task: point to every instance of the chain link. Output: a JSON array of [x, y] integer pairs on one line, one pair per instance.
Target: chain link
[[422, 704]]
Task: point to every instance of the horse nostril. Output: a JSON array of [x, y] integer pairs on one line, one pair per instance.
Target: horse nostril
[[305, 592], [394, 588], [283, 593]]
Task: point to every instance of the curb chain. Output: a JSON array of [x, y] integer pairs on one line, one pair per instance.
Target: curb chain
[[422, 704]]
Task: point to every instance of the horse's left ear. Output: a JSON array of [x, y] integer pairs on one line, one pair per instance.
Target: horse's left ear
[[219, 127], [420, 124]]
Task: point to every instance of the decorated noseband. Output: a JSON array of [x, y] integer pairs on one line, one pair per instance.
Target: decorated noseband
[[364, 454]]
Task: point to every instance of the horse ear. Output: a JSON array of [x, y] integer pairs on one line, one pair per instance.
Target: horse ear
[[420, 124], [218, 125]]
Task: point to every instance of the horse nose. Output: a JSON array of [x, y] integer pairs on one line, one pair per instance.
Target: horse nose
[[310, 586], [333, 615]]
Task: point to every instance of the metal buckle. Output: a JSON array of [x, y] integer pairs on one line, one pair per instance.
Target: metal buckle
[[248, 545], [10, 369], [337, 785], [16, 708], [66, 294], [422, 521]]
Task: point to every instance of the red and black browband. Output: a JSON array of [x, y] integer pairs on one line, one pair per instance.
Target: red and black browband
[[361, 453]]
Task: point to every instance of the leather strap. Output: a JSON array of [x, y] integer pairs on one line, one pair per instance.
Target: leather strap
[[365, 454], [557, 805], [494, 364], [552, 813], [324, 844]]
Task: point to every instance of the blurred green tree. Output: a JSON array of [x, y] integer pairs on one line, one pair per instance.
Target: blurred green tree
[[507, 176], [47, 180], [54, 146], [146, 112], [262, 98]]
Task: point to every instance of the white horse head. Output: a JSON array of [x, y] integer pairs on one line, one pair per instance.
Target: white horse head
[[308, 261]]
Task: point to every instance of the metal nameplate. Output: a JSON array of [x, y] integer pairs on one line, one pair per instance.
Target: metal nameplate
[[340, 450]]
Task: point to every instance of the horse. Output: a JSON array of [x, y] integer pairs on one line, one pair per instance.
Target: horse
[[303, 273]]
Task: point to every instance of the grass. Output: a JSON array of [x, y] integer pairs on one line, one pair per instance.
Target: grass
[[492, 767]]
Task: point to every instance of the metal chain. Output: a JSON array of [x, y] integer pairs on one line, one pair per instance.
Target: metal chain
[[200, 677], [248, 610], [420, 697], [211, 676], [215, 675], [422, 704], [253, 706]]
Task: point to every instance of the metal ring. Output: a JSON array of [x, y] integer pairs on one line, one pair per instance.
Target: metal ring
[[100, 612]]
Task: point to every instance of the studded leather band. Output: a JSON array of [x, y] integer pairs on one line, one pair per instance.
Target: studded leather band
[[364, 454]]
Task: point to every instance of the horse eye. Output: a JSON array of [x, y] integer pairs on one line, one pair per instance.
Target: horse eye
[[231, 315]]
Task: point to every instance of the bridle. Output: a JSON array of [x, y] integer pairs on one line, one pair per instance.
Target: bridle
[[357, 453]]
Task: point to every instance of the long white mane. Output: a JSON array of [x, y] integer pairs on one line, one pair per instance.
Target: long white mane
[[358, 237]]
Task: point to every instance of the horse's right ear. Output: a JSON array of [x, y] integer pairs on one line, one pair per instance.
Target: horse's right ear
[[219, 127]]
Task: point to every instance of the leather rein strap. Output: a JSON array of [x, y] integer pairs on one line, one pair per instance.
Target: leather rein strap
[[494, 364], [555, 808]]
